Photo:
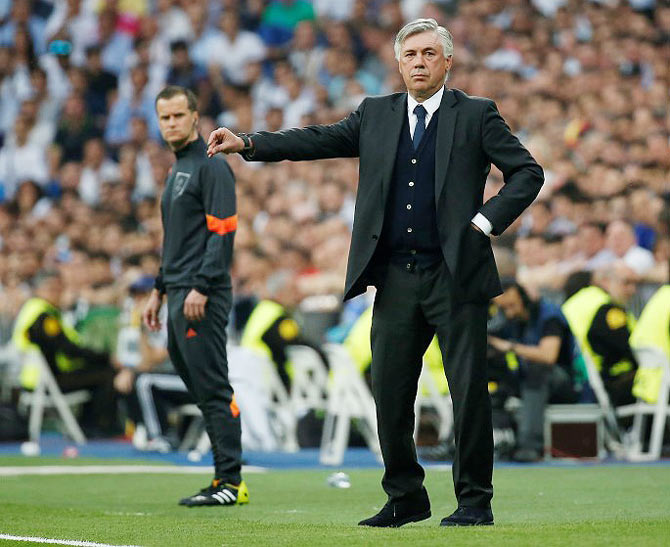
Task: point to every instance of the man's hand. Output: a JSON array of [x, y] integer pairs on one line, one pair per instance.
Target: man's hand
[[194, 306], [151, 310], [223, 140], [501, 345], [124, 380]]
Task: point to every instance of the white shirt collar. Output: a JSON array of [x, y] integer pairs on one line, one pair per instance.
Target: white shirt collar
[[431, 104]]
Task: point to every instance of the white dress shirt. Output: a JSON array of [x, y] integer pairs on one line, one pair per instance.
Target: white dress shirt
[[431, 105]]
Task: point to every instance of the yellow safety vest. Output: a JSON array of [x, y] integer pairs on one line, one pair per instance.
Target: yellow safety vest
[[261, 319], [580, 311], [358, 345], [652, 331], [31, 310]]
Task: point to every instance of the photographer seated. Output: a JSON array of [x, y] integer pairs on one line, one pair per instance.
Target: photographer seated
[[539, 335]]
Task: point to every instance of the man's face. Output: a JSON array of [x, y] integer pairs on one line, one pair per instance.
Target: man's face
[[177, 122], [511, 304], [51, 290], [591, 239], [422, 64]]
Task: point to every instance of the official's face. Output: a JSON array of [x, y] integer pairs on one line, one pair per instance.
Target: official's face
[[177, 122], [423, 65]]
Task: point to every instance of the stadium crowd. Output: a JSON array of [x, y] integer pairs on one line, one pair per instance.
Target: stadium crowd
[[584, 84]]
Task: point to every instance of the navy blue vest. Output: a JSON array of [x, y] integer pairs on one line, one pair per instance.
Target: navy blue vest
[[410, 224]]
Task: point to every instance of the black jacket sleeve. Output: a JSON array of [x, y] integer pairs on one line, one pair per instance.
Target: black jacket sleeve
[[522, 175], [47, 333], [217, 186], [337, 140]]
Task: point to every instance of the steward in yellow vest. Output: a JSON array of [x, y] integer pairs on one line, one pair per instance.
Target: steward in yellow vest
[[39, 327], [358, 345], [270, 330], [652, 331], [602, 327]]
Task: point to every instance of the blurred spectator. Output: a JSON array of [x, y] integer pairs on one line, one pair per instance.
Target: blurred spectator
[[74, 129], [115, 46], [97, 170], [241, 47], [20, 160], [182, 71], [592, 244], [21, 18], [622, 242], [138, 103], [281, 17], [101, 83]]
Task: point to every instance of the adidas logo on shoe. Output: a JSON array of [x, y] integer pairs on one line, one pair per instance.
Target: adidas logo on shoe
[[219, 493]]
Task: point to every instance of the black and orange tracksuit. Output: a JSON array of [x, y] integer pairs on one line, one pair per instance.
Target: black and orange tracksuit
[[199, 223]]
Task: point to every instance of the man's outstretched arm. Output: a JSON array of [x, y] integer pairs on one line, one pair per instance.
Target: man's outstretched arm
[[337, 140]]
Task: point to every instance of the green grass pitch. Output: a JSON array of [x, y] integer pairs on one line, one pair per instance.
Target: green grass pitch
[[591, 506]]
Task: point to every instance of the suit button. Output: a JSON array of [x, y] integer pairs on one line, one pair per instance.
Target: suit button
[[413, 160]]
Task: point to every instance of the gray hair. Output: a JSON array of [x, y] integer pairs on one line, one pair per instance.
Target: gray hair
[[424, 25]]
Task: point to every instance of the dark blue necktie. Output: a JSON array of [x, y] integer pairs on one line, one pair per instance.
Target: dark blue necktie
[[420, 128]]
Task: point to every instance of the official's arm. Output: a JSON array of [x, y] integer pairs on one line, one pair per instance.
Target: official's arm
[[218, 195], [522, 175]]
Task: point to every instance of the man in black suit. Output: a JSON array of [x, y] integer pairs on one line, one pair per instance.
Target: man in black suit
[[421, 237]]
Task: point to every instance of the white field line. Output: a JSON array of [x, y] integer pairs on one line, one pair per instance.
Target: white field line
[[58, 541], [115, 470]]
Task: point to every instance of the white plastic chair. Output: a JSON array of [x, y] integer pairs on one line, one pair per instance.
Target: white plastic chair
[[309, 383], [429, 397], [46, 395], [348, 398], [641, 410]]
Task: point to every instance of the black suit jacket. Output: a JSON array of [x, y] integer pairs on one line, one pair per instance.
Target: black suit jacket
[[471, 135]]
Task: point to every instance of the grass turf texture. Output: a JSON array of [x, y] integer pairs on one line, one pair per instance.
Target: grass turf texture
[[619, 505]]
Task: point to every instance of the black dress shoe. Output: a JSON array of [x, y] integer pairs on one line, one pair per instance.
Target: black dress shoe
[[411, 508], [469, 516]]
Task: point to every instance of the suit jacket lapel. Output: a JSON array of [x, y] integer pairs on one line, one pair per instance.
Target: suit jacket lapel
[[389, 134], [446, 124]]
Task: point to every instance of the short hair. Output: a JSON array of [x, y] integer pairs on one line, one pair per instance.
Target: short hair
[[173, 90], [43, 276], [424, 25]]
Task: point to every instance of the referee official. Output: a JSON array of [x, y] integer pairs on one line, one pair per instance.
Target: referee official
[[199, 223]]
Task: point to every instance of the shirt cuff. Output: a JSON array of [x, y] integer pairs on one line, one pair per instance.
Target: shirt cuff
[[482, 223]]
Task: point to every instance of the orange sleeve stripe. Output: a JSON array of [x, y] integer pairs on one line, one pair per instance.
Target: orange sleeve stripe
[[234, 409], [221, 226]]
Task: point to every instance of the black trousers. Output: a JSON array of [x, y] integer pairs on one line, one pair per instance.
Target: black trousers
[[411, 305], [198, 353], [99, 416], [541, 385]]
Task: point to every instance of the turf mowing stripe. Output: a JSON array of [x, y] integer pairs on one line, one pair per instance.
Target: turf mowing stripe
[[115, 470], [60, 541]]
